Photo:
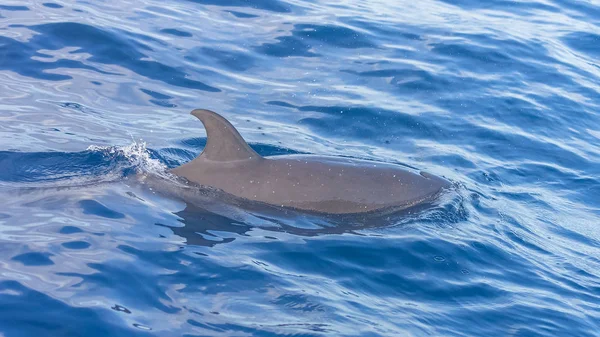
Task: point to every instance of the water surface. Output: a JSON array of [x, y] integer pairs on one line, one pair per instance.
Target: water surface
[[500, 97]]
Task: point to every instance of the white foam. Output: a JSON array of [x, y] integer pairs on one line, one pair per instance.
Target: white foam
[[138, 157]]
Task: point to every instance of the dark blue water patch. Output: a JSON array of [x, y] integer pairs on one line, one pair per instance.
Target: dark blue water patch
[[120, 278], [589, 11], [13, 8], [587, 43], [285, 47], [159, 99], [333, 35], [281, 104], [515, 147], [317, 329], [417, 81], [516, 111], [514, 60], [505, 145], [202, 276], [175, 32], [19, 302], [366, 122], [34, 259], [560, 111], [233, 60], [520, 7], [106, 47], [95, 208], [268, 5], [567, 180], [529, 59], [164, 104], [242, 15], [70, 230], [525, 319], [481, 58], [406, 271], [531, 49], [76, 245], [400, 32], [520, 59], [308, 37], [18, 57], [521, 242], [52, 5], [49, 166], [298, 302], [55, 166]]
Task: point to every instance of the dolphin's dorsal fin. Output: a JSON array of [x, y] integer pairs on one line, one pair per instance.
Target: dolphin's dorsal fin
[[223, 142]]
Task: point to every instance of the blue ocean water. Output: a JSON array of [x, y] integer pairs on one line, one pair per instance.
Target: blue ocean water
[[500, 97]]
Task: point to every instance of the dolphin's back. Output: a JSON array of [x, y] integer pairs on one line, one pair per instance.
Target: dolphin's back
[[319, 184], [314, 183]]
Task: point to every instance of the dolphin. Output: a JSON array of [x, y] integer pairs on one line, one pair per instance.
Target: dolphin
[[310, 183]]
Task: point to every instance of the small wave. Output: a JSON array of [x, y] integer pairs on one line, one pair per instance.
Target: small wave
[[97, 164], [137, 155]]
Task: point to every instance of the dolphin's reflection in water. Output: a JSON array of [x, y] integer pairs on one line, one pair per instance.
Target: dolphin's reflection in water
[[204, 227], [210, 214], [198, 224]]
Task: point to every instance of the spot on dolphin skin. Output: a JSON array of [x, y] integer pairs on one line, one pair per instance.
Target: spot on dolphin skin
[[95, 208], [34, 259]]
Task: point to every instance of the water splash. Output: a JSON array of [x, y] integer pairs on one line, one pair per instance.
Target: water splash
[[136, 157], [97, 164]]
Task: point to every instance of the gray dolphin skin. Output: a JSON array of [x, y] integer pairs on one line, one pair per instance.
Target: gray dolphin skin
[[304, 182]]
